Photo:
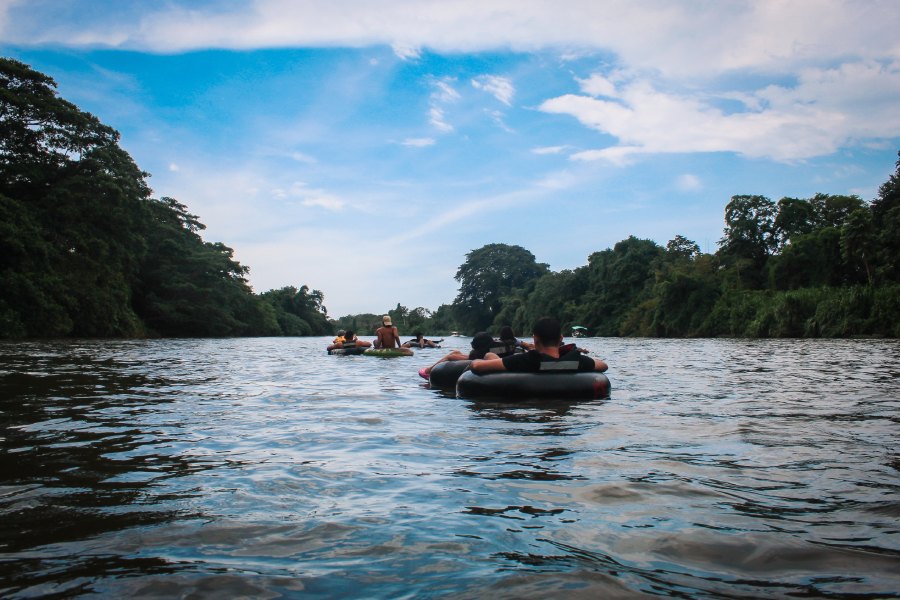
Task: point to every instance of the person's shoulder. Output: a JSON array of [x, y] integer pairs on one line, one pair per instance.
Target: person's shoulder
[[522, 362]]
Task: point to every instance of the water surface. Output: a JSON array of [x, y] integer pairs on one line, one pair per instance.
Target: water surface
[[264, 468]]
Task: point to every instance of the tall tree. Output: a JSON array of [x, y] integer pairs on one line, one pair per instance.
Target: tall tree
[[488, 274], [749, 237]]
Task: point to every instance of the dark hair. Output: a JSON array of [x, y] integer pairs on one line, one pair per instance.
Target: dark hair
[[418, 334], [348, 335], [548, 331], [507, 334], [481, 345]]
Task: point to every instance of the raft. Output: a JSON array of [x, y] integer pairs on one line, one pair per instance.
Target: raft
[[445, 374], [388, 352], [511, 387], [346, 351]]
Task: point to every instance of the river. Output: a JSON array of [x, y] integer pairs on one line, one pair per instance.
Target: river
[[264, 468]]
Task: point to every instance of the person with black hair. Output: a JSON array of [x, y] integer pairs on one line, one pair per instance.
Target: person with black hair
[[481, 349], [349, 340], [545, 356], [421, 341], [510, 344]]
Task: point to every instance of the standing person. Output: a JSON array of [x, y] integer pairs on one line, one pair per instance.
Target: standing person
[[545, 356], [387, 336]]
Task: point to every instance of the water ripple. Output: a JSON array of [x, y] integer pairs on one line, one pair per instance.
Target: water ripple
[[265, 468]]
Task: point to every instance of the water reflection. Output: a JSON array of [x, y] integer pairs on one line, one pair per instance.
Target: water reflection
[[80, 463]]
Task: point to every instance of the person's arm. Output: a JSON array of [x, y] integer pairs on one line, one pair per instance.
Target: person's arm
[[600, 366], [397, 337], [453, 355], [488, 365]]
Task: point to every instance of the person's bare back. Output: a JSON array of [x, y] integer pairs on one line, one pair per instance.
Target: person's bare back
[[387, 335]]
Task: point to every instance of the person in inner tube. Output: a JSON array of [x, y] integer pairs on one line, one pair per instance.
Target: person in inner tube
[[481, 346], [387, 336], [510, 344], [348, 339], [547, 340], [421, 342]]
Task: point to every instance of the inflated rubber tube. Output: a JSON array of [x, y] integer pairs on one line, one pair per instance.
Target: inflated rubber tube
[[388, 352], [445, 374], [346, 351], [522, 386]]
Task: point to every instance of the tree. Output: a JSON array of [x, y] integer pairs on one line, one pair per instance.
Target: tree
[[858, 242], [488, 274], [833, 210], [617, 280], [749, 237], [794, 217], [886, 220]]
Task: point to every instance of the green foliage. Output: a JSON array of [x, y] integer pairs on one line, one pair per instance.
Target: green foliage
[[811, 260], [297, 311], [490, 273], [617, 280]]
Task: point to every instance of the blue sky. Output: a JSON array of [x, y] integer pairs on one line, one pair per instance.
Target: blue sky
[[362, 148]]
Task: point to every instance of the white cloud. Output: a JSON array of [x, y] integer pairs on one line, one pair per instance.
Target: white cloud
[[443, 94], [174, 167], [676, 39], [406, 52], [824, 110], [436, 118], [597, 85], [303, 158], [548, 150], [500, 88], [688, 183], [418, 142], [498, 118]]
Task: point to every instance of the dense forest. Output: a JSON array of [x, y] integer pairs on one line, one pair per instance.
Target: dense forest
[[86, 251]]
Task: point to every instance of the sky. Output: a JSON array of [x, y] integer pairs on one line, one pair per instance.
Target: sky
[[364, 147]]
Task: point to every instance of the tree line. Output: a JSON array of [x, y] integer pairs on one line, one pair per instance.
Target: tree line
[[826, 266], [86, 251]]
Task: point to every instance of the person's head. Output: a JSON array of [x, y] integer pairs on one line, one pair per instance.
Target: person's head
[[340, 332], [349, 335], [507, 334], [481, 344], [418, 335], [386, 321], [547, 331]]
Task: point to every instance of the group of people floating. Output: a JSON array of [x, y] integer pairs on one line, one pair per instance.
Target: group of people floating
[[547, 352]]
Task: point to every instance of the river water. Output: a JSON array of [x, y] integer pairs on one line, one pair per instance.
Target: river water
[[263, 468]]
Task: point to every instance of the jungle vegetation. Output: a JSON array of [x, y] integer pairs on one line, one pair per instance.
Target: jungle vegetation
[[86, 251]]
